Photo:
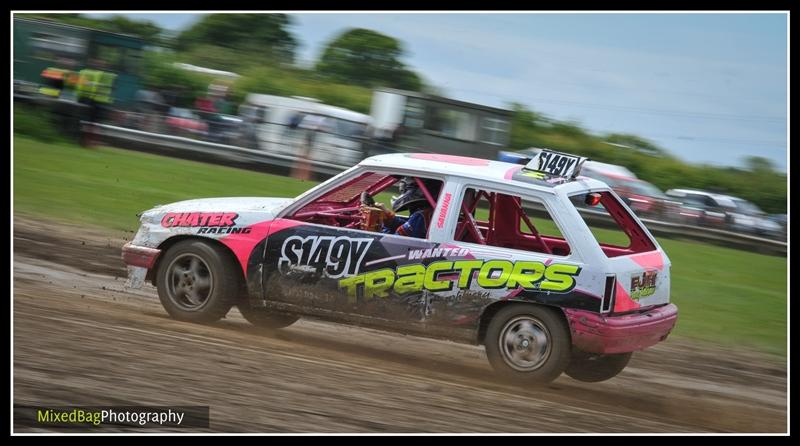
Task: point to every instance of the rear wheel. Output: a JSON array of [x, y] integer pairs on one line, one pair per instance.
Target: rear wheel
[[264, 318], [528, 343], [591, 368], [197, 281]]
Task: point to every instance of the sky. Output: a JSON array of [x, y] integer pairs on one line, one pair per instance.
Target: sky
[[709, 88]]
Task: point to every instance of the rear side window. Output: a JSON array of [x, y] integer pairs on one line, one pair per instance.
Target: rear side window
[[615, 229], [508, 221], [707, 200]]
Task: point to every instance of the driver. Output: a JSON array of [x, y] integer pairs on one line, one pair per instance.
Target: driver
[[412, 198]]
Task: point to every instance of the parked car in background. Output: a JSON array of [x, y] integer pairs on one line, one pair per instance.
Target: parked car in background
[[750, 218], [696, 210], [781, 220], [610, 169], [728, 212], [183, 122], [148, 109], [518, 156], [645, 199], [225, 129], [713, 208]]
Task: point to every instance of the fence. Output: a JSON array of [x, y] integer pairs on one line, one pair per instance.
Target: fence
[[261, 160]]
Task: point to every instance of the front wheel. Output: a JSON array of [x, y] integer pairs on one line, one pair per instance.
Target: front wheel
[[591, 368], [197, 281], [528, 343]]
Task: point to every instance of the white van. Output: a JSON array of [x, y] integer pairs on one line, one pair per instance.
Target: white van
[[337, 139]]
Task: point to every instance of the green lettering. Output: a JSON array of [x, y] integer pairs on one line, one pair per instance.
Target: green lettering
[[352, 283], [484, 276], [430, 282], [377, 283], [526, 274], [559, 277], [409, 279], [466, 267]]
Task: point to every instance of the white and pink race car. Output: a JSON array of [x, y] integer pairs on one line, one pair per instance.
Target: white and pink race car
[[504, 255]]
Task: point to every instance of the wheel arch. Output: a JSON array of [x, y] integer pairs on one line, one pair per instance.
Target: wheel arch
[[170, 242]]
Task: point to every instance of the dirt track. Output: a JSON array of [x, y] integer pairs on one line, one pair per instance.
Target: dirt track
[[80, 338]]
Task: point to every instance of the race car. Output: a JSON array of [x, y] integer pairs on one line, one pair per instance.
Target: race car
[[496, 254]]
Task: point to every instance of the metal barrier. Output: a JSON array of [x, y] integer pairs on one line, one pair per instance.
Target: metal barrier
[[264, 161], [207, 151]]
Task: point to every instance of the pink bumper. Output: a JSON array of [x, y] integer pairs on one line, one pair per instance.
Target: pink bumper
[[599, 333], [134, 255]]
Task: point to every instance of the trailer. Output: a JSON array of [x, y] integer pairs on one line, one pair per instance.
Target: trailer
[[42, 44], [418, 122]]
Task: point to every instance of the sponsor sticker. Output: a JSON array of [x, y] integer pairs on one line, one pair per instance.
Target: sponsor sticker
[[447, 275], [207, 222], [644, 285], [195, 219], [443, 213]]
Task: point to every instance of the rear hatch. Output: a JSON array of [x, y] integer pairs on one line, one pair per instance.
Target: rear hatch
[[637, 269], [641, 280]]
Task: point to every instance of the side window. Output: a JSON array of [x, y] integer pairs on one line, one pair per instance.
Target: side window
[[614, 228], [508, 221], [414, 113], [494, 131], [343, 206], [451, 123], [49, 46]]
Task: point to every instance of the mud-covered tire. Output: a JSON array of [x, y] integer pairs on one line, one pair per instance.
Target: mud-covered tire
[[528, 343], [264, 318], [595, 368], [198, 281]]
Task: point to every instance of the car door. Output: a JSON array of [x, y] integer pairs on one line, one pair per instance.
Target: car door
[[323, 268], [338, 271]]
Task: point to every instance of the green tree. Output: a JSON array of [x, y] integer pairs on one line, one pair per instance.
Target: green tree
[[368, 58], [149, 31], [758, 164], [261, 36], [160, 73]]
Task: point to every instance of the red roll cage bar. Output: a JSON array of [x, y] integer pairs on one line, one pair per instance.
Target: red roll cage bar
[[468, 225]]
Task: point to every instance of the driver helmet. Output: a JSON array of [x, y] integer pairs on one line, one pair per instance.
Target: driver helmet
[[411, 196]]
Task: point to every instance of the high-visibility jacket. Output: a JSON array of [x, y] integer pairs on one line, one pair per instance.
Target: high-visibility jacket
[[53, 81], [96, 85]]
